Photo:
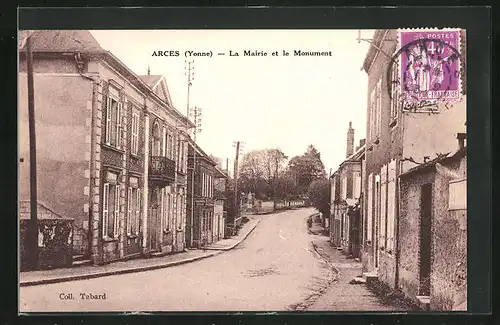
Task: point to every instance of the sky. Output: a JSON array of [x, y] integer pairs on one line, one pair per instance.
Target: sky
[[285, 102]]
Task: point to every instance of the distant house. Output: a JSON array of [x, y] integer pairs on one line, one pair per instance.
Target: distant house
[[202, 202], [345, 201], [433, 232], [219, 222], [111, 148]]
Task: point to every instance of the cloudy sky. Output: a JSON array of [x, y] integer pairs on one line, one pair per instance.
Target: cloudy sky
[[273, 101]]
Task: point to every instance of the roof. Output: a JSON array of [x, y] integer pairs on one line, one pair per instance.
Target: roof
[[151, 80], [372, 51], [82, 41], [201, 152], [60, 41], [221, 173], [356, 156], [430, 165]]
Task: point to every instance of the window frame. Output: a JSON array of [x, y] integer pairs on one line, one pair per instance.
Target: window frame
[[135, 133]]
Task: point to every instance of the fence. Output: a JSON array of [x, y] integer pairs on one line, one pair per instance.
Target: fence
[[263, 207]]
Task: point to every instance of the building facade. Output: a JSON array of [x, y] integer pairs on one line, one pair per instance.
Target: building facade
[[102, 145], [201, 196], [399, 137], [433, 232], [345, 198]]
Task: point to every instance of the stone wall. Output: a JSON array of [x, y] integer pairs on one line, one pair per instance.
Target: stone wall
[[55, 238]]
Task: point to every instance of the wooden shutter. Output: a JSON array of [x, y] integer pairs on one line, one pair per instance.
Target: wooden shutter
[[105, 206], [138, 211], [117, 211]]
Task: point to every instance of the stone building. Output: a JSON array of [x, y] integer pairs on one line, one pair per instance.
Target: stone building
[[200, 222], [433, 232], [106, 147], [399, 137], [345, 198]]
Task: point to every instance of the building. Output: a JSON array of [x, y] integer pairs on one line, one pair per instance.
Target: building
[[219, 225], [433, 232], [200, 223], [399, 137], [111, 148], [345, 198]]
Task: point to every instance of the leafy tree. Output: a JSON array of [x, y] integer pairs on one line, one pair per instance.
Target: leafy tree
[[319, 195], [307, 168], [260, 171]]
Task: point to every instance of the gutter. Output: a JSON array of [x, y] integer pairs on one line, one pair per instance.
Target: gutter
[[93, 143]]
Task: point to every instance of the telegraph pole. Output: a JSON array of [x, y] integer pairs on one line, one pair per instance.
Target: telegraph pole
[[238, 145], [33, 233], [196, 114], [189, 71]]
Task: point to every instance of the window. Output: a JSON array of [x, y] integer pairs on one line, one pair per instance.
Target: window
[[135, 133], [179, 153], [203, 184], [133, 208], [375, 108], [114, 122], [169, 145], [383, 208], [164, 142], [391, 205], [110, 210], [395, 93], [156, 140], [178, 211], [369, 212]]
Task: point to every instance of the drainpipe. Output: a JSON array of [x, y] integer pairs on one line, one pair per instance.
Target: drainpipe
[[397, 248], [94, 78], [145, 182]]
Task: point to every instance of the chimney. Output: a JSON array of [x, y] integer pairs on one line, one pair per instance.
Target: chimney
[[461, 140], [350, 141], [149, 70]]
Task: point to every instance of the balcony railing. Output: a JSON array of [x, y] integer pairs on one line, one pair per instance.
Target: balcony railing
[[161, 169]]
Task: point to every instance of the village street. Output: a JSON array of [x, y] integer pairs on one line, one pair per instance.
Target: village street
[[275, 268]]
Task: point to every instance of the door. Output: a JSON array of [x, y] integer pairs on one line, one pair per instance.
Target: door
[[154, 219], [425, 239]]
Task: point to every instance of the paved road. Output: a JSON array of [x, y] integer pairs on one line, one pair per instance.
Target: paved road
[[275, 268]]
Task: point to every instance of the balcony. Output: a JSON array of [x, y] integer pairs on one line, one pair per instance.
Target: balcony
[[161, 170]]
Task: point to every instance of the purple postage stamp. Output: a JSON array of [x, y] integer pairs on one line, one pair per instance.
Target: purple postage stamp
[[430, 65]]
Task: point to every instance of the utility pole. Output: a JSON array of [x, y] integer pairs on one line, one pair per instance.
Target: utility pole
[[189, 72], [238, 145], [33, 233], [196, 115]]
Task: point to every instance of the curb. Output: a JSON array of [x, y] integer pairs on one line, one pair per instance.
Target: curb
[[117, 272], [133, 270], [236, 244]]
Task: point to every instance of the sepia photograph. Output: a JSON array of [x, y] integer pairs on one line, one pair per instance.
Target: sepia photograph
[[209, 170]]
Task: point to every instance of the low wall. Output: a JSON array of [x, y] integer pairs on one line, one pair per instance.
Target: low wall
[[55, 238], [263, 207]]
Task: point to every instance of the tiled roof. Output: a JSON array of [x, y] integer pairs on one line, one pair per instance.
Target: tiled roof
[[151, 80], [60, 41], [440, 159]]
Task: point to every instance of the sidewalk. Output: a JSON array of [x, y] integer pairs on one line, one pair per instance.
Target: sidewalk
[[137, 265], [347, 295]]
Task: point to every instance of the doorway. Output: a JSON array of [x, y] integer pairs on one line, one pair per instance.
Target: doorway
[[425, 239], [154, 220]]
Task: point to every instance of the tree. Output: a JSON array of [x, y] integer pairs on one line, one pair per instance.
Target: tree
[[319, 195], [260, 170], [307, 168]]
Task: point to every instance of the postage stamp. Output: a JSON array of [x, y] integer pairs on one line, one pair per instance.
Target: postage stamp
[[429, 65]]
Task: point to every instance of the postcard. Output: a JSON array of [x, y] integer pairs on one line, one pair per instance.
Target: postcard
[[242, 170]]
